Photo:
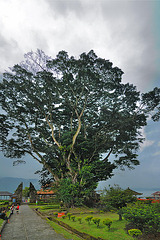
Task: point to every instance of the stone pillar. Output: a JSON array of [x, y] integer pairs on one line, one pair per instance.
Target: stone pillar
[[18, 193], [32, 193]]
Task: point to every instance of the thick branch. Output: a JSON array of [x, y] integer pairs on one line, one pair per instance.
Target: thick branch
[[52, 129], [41, 160], [108, 155]]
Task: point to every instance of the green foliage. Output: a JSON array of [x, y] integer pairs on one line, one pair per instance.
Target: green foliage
[[88, 219], [50, 207], [69, 215], [101, 211], [4, 202], [107, 222], [73, 218], [25, 192], [79, 220], [63, 217], [144, 217], [134, 232], [96, 221], [116, 197], [55, 214], [156, 207], [70, 193], [65, 112]]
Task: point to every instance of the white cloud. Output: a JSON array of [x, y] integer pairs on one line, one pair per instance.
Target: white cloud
[[156, 153], [146, 142]]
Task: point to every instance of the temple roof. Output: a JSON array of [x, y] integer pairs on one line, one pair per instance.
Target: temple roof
[[130, 191], [156, 193], [5, 193], [45, 192]]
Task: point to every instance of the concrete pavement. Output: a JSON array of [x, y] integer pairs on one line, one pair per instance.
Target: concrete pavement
[[27, 225]]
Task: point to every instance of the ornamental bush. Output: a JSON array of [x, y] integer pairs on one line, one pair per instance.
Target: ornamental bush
[[107, 222], [69, 215], [55, 214], [96, 221], [73, 218], [88, 219], [134, 232], [79, 219]]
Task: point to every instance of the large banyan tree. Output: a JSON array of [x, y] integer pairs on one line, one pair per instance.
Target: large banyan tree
[[67, 112]]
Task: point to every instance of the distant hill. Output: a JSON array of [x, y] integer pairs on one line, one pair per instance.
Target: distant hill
[[10, 184]]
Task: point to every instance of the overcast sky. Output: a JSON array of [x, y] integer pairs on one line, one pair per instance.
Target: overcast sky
[[125, 32]]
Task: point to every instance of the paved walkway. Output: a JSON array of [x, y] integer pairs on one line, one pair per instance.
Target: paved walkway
[[27, 225]]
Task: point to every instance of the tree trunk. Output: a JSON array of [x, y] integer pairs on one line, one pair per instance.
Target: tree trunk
[[120, 216]]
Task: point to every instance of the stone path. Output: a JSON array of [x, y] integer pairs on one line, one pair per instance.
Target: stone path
[[27, 225]]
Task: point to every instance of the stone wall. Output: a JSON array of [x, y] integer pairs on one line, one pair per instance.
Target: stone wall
[[18, 193], [32, 193]]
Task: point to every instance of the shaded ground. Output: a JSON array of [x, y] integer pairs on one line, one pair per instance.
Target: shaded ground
[[27, 225]]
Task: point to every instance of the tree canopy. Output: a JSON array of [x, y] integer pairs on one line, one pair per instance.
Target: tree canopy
[[67, 112], [117, 198]]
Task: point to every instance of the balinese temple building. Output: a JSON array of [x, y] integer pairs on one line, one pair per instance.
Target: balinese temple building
[[134, 193], [4, 195], [156, 195], [45, 194]]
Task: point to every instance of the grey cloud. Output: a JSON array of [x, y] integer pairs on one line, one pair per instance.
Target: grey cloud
[[41, 40], [131, 29], [9, 52], [63, 7]]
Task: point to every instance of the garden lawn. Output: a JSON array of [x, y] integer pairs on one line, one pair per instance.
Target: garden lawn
[[116, 232], [1, 222], [62, 231]]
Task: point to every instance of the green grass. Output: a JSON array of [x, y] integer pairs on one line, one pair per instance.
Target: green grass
[[116, 232], [62, 231], [1, 222]]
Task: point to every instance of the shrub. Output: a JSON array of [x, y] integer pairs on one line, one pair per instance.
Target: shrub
[[79, 219], [134, 232], [91, 212], [96, 221], [55, 214], [73, 218], [144, 217], [107, 222], [88, 219], [69, 215], [156, 207], [63, 217]]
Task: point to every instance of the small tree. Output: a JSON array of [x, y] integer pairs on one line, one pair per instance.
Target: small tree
[[79, 219], [73, 218], [117, 198], [69, 215], [107, 222], [88, 219], [96, 221]]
